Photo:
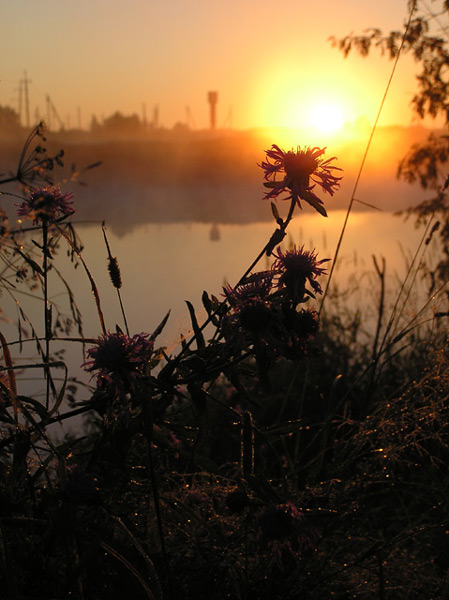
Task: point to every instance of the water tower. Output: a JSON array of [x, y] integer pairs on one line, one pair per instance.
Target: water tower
[[213, 99]]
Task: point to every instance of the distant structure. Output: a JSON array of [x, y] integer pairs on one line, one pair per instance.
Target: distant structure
[[52, 115], [23, 91], [214, 233], [190, 121], [155, 122], [213, 99]]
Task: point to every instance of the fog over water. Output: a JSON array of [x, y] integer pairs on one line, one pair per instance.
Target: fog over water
[[172, 176]]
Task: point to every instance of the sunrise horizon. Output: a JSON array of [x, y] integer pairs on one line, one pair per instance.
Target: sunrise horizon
[[147, 63]]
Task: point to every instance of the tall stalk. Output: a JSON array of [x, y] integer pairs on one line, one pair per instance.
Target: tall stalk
[[47, 311]]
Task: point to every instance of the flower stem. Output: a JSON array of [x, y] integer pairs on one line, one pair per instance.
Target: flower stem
[[47, 312]]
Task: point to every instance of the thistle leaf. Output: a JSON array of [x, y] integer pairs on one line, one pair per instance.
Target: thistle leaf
[[196, 329], [210, 307], [160, 327], [314, 202]]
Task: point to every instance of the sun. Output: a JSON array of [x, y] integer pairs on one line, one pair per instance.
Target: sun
[[326, 117]]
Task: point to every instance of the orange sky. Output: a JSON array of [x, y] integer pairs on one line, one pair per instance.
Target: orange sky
[[270, 61]]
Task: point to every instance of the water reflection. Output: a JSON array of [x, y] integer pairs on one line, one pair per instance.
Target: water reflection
[[162, 266]]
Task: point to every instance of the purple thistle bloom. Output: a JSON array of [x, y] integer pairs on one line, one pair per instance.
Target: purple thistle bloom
[[46, 204], [299, 169], [286, 531], [120, 361], [249, 302], [256, 286], [295, 267]]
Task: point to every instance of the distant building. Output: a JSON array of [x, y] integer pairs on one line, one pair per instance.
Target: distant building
[[119, 122]]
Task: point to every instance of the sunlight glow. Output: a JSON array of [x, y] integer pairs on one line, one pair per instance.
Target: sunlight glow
[[327, 117]]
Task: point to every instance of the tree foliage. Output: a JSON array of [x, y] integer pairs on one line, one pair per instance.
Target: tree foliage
[[425, 163]]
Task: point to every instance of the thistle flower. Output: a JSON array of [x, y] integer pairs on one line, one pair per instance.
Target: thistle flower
[[286, 532], [252, 314], [120, 361], [46, 204], [256, 286], [294, 268], [249, 302], [302, 170]]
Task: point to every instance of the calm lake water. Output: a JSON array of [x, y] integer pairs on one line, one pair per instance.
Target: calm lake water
[[165, 265], [162, 266]]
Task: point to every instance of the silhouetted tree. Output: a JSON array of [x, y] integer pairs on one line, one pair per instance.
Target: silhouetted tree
[[425, 163]]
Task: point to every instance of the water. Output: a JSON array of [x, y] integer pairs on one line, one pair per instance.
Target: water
[[164, 265]]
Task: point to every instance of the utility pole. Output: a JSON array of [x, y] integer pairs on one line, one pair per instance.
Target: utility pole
[[48, 112], [26, 81], [52, 113], [20, 101]]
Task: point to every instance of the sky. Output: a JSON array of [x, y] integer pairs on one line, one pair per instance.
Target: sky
[[269, 60]]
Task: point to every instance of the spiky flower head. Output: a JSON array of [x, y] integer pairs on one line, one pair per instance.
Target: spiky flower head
[[286, 531], [294, 268], [257, 285], [249, 301], [301, 170], [46, 204], [120, 361]]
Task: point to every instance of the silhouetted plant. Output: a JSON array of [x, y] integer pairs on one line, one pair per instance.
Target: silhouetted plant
[[275, 456]]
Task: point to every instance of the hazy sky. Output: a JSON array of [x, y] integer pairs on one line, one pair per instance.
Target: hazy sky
[[270, 60]]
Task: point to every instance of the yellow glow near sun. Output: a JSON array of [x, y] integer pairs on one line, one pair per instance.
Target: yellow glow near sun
[[327, 117]]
